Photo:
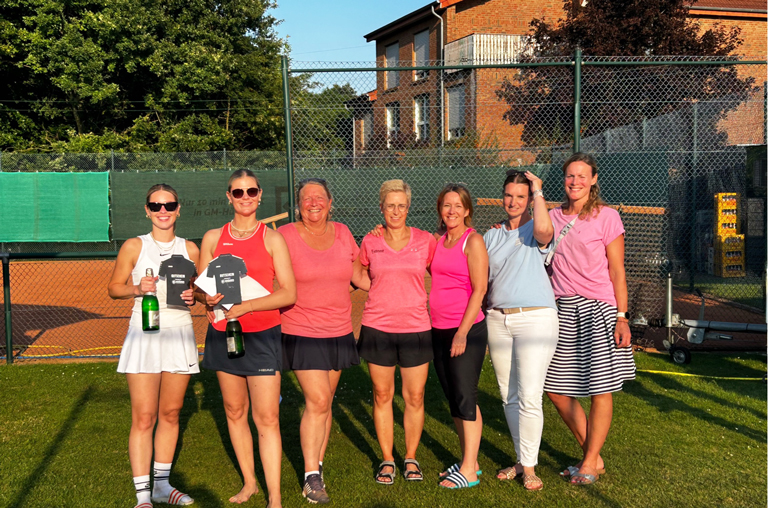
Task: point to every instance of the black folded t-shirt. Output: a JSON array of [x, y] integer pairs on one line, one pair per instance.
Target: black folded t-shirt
[[227, 270], [178, 272]]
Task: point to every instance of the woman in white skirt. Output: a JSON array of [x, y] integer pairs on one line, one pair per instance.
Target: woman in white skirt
[[522, 317], [157, 364], [593, 357]]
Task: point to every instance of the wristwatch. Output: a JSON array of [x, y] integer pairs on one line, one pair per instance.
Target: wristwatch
[[538, 192], [622, 315]]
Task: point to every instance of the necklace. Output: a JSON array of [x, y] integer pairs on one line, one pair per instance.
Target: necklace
[[243, 232], [315, 234], [164, 251]]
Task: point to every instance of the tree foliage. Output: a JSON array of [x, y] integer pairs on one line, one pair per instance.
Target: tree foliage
[[542, 98], [162, 75]]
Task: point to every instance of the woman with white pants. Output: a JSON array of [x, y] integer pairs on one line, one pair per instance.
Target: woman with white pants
[[522, 317]]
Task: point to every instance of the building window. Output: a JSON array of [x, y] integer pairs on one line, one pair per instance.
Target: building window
[[393, 122], [367, 128], [393, 56], [455, 111], [421, 117], [421, 53]]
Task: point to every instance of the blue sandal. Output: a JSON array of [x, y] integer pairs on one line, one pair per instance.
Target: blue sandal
[[455, 468], [459, 481]]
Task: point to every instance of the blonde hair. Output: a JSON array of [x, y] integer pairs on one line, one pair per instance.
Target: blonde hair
[[394, 186], [466, 200], [594, 202]]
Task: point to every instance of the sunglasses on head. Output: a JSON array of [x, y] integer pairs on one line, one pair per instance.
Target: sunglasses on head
[[305, 181], [239, 193], [169, 206]]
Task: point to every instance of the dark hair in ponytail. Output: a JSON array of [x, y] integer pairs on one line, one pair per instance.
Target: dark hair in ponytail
[[595, 202]]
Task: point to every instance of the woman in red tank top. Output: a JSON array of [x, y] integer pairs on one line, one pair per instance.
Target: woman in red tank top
[[257, 373]]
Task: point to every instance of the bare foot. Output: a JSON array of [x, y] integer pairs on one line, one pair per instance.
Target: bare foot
[[244, 495]]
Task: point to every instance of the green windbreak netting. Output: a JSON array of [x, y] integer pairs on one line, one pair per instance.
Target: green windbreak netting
[[54, 207], [202, 196]]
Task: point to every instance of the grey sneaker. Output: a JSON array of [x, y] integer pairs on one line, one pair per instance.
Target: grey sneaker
[[314, 490]]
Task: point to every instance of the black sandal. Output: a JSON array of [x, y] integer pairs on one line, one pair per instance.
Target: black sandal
[[412, 475], [381, 474]]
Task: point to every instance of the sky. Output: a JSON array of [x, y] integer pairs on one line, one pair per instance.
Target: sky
[[333, 31]]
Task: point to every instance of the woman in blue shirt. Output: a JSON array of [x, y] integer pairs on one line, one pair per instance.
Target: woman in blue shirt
[[522, 317]]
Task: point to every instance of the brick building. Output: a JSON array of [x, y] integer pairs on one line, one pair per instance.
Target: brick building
[[405, 109]]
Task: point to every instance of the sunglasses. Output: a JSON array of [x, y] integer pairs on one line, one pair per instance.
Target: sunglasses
[[169, 206], [239, 193]]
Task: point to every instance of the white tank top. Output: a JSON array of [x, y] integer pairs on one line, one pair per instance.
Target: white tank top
[[151, 257]]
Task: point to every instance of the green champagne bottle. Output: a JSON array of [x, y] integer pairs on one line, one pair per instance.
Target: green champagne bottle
[[235, 347], [150, 310]]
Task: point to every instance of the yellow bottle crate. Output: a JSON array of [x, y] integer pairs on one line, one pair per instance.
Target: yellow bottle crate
[[729, 271], [726, 201]]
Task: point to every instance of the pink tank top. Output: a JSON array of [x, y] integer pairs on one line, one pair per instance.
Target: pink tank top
[[260, 268], [451, 287]]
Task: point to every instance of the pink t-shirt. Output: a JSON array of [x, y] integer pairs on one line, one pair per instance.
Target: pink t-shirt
[[397, 301], [580, 265], [451, 287], [323, 307]]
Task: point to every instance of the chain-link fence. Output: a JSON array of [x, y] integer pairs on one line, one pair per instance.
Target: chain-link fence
[[680, 143]]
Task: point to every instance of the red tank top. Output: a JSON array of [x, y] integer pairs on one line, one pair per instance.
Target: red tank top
[[260, 268]]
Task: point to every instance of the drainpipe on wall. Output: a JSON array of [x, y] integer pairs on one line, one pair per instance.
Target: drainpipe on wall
[[442, 91]]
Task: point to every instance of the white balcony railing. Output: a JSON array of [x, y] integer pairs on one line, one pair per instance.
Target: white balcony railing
[[485, 49]]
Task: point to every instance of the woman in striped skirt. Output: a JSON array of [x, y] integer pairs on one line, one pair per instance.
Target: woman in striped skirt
[[593, 357]]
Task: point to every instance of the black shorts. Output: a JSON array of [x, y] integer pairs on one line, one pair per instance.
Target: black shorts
[[390, 349], [309, 353], [460, 375], [263, 353]]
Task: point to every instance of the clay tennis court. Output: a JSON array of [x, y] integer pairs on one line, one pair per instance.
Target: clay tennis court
[[61, 310]]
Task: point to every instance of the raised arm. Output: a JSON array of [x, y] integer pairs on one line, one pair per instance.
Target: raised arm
[[615, 253], [543, 231], [477, 261]]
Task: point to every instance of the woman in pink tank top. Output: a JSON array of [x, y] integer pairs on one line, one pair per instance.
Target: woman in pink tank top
[[459, 337], [257, 373]]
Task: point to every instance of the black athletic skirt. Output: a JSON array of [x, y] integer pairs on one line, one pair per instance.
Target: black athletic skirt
[[309, 353], [263, 353]]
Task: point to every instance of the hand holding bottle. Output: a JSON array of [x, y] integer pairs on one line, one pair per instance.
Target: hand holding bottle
[[146, 285]]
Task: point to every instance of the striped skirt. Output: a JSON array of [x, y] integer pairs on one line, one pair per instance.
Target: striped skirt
[[587, 361]]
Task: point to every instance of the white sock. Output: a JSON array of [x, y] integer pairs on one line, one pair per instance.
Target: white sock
[[141, 483], [162, 471], [306, 474]]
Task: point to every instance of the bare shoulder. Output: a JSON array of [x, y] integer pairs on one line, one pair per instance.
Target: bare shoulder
[[192, 250], [131, 246], [211, 236], [272, 238]]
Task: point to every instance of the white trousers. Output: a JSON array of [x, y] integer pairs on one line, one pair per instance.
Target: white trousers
[[521, 347]]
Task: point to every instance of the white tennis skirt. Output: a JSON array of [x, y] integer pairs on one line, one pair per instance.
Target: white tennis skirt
[[170, 349]]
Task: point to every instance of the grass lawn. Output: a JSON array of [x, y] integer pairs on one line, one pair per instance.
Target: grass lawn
[[675, 441], [744, 290]]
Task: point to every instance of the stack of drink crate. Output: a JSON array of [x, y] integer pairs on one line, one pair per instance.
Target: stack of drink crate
[[729, 244]]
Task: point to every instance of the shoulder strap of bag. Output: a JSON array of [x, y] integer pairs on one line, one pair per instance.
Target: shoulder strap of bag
[[551, 253]]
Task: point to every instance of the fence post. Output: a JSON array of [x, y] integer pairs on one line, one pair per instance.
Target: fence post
[[7, 305], [577, 100], [694, 190], [224, 156], [288, 137], [112, 158]]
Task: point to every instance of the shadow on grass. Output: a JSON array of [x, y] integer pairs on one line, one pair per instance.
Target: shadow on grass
[[667, 404], [201, 495], [291, 410], [53, 449]]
